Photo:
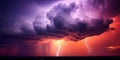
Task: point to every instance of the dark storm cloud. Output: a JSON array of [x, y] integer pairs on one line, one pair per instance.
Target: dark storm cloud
[[16, 20], [17, 16], [62, 26]]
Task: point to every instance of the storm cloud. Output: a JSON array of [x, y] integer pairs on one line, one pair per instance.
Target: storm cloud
[[63, 23], [19, 19]]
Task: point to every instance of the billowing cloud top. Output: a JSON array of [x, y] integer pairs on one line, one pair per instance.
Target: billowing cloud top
[[75, 20], [20, 20]]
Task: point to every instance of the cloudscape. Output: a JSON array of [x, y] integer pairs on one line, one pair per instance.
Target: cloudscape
[[59, 28]]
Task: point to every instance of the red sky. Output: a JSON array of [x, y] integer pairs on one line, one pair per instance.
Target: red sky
[[98, 45]]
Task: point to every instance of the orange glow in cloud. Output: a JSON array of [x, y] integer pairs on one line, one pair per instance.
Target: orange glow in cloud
[[113, 47]]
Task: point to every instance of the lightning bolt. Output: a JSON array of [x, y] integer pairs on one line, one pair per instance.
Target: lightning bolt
[[86, 44], [58, 48]]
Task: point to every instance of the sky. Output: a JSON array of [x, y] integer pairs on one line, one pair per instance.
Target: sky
[[59, 28]]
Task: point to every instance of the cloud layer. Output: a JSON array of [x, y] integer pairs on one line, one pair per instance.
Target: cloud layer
[[74, 20], [19, 20]]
